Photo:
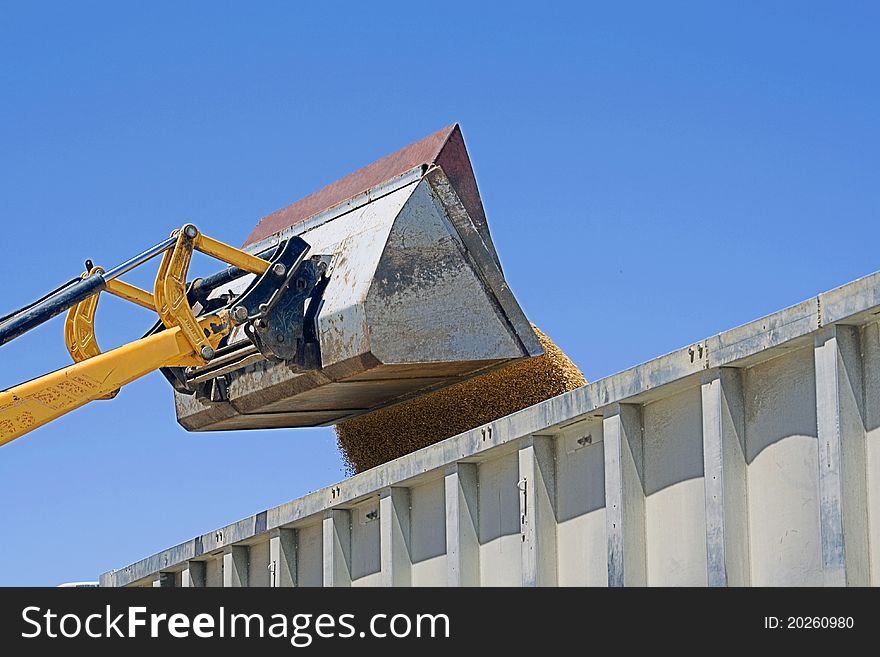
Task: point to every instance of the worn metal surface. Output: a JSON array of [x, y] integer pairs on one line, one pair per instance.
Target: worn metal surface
[[755, 462], [444, 148], [415, 301]]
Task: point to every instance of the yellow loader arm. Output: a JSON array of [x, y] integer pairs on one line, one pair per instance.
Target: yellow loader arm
[[184, 340], [39, 401]]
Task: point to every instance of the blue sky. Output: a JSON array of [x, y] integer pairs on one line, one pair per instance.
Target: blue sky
[[653, 173]]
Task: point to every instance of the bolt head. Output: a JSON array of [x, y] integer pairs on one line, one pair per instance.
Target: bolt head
[[207, 352], [240, 313], [279, 269], [190, 231], [279, 337]]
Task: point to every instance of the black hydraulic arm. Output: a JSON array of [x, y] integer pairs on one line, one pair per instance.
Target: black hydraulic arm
[[71, 293], [51, 305]]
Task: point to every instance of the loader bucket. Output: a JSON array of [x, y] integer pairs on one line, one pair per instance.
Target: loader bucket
[[415, 300]]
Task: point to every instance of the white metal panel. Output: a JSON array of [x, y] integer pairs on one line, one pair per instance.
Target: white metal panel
[[782, 471], [582, 547], [724, 459], [428, 534], [624, 451], [258, 565], [500, 554], [760, 415], [871, 351], [309, 555], [537, 509], [214, 572], [461, 484], [675, 506], [853, 478], [366, 562]]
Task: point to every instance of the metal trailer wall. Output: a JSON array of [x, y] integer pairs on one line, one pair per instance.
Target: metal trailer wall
[[750, 458]]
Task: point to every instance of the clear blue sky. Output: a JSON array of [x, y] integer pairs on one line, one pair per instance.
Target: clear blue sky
[[653, 173]]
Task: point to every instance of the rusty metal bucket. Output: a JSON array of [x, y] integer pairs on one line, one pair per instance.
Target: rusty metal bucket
[[416, 299]]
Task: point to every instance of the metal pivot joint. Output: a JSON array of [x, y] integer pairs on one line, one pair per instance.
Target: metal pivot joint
[[273, 310], [191, 330]]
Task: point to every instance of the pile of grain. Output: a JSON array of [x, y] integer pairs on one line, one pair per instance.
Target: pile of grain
[[378, 437]]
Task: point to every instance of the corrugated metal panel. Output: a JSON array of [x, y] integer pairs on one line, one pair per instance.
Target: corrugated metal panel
[[748, 458]]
